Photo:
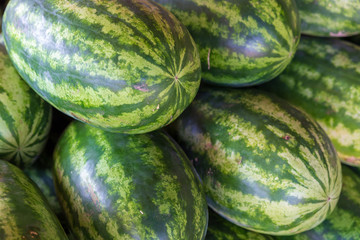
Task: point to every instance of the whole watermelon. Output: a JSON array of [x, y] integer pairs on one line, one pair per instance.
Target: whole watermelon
[[243, 42], [24, 211], [123, 66], [117, 186], [344, 222], [25, 118], [265, 165], [324, 80], [329, 18]]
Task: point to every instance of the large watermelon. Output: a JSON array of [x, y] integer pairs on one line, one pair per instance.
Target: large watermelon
[[221, 229], [265, 165], [123, 66], [241, 43], [24, 211], [25, 118], [117, 186], [329, 18], [324, 80], [344, 222]]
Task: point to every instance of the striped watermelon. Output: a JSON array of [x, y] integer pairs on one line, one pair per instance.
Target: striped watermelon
[[123, 66], [324, 80], [265, 165], [25, 118], [24, 211], [329, 18], [344, 222], [221, 229], [243, 42], [117, 186]]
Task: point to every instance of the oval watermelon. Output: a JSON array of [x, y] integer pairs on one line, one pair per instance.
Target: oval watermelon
[[24, 211], [25, 119], [264, 164], [243, 42], [117, 186], [324, 80], [329, 18], [123, 66]]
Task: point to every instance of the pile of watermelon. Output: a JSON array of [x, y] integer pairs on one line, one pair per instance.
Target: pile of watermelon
[[180, 119]]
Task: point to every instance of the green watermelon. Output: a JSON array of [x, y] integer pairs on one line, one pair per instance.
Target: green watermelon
[[344, 222], [117, 186], [123, 66], [221, 229], [25, 118], [329, 18], [241, 43], [24, 211], [265, 165], [324, 80]]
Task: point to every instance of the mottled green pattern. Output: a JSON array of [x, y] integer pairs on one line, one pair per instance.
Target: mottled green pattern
[[344, 222], [221, 229], [123, 66], [265, 165], [43, 178], [25, 118], [24, 212], [115, 186], [324, 80], [243, 42], [330, 18]]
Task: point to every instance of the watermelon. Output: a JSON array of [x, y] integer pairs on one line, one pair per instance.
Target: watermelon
[[324, 80], [241, 43], [24, 211], [25, 118], [344, 222], [221, 229], [122, 66], [265, 165], [329, 18], [118, 186]]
